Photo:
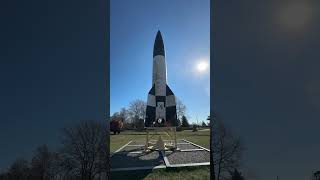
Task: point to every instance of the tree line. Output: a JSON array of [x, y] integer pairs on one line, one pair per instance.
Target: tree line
[[133, 116]]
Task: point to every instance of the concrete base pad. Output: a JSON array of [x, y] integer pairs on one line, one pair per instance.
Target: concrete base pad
[[132, 157]]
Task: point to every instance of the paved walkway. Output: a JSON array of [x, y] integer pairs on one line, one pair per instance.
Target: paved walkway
[[132, 157]]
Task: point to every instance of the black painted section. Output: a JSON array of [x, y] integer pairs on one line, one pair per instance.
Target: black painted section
[[150, 116], [171, 116], [158, 48], [161, 99], [152, 91], [168, 91]]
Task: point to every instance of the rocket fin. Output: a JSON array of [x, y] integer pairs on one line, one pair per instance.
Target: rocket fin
[[151, 107], [152, 90], [168, 91], [171, 111]]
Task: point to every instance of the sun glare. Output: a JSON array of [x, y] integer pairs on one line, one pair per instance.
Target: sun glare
[[202, 66]]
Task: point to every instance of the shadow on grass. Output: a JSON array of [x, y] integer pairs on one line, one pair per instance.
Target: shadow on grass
[[183, 169], [132, 175]]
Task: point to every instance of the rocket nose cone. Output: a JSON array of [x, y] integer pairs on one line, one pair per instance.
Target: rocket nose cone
[[158, 48]]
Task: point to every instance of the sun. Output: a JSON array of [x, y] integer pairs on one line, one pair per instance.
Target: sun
[[202, 66]]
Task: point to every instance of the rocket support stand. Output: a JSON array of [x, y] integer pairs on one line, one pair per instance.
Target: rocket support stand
[[160, 145]]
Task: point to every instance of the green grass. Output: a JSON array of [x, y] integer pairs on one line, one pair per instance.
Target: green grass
[[201, 138], [187, 173]]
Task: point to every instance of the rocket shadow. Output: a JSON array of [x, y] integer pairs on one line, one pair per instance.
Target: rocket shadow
[[125, 160]]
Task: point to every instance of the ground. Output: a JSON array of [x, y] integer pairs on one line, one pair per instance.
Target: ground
[[201, 138]]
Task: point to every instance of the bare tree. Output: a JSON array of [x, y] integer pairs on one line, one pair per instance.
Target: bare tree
[[227, 150], [19, 169], [41, 163], [115, 115], [84, 150], [124, 115], [137, 108], [57, 166], [137, 111], [181, 109]]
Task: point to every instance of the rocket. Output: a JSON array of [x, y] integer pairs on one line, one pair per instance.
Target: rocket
[[161, 103]]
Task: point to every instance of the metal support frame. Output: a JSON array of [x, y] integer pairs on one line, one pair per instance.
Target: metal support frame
[[173, 138]]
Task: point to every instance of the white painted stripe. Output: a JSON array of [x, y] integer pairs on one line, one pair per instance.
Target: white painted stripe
[[166, 140], [136, 152], [138, 168], [190, 164], [151, 100], [166, 161], [120, 148], [187, 150], [197, 145], [170, 101], [159, 75], [160, 110]]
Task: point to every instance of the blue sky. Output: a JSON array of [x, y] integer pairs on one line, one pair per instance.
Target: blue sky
[[185, 27]]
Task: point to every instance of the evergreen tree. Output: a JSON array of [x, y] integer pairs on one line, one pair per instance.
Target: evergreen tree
[[236, 175], [178, 122], [184, 122]]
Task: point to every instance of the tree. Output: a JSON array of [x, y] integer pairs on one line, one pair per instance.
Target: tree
[[124, 115], [41, 163], [19, 170], [227, 150], [316, 175], [236, 175], [203, 124], [137, 110], [115, 116], [185, 122], [84, 152], [139, 124], [181, 110], [194, 128], [57, 167]]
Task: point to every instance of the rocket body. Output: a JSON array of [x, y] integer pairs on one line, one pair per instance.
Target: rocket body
[[161, 103]]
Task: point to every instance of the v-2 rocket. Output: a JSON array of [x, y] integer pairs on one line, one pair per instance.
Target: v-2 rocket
[[161, 103]]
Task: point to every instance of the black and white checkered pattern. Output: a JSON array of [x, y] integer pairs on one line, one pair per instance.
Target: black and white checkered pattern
[[161, 102], [169, 103]]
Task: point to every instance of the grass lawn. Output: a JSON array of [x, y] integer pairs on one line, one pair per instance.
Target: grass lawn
[[196, 173], [201, 138]]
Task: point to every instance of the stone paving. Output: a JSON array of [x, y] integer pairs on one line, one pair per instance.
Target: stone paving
[[132, 157]]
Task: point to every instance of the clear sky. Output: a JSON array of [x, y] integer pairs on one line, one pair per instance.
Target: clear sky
[[185, 28]]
